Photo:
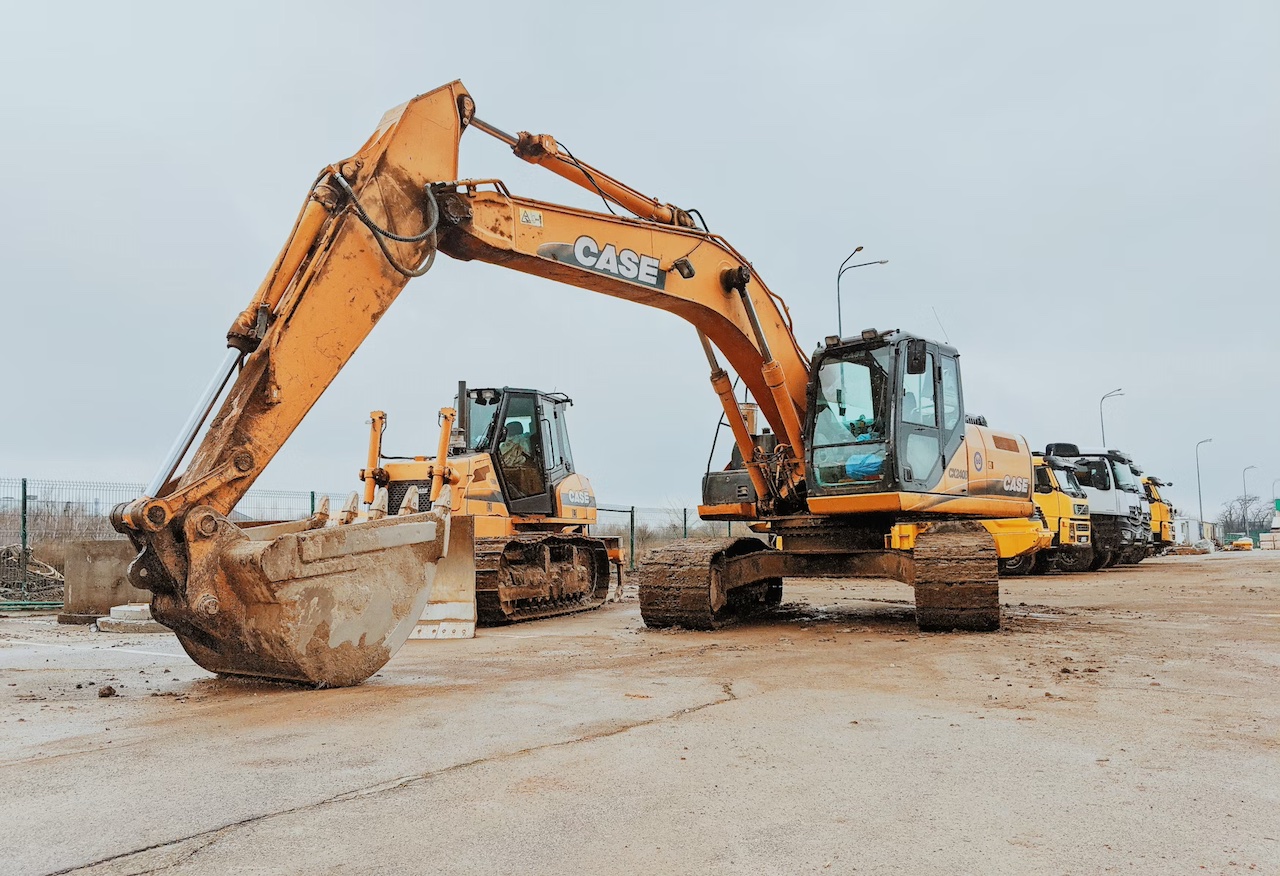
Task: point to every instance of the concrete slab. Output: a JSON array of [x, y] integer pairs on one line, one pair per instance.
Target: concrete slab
[[131, 618], [1121, 721]]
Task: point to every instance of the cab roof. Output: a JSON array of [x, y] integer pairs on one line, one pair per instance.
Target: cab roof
[[1063, 449], [554, 397], [872, 338]]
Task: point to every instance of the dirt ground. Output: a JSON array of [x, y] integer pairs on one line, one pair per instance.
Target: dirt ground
[[1126, 721]]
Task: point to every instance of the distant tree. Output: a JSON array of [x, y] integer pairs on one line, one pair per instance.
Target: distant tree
[[1245, 514]]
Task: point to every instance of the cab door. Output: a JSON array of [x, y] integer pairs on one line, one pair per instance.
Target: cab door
[[919, 444], [930, 415], [520, 454], [951, 408]]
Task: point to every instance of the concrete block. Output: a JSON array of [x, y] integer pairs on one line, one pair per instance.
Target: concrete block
[[95, 573]]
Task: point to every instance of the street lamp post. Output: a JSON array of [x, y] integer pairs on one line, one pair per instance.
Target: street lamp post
[[845, 266], [1244, 499], [1101, 419], [1200, 495]]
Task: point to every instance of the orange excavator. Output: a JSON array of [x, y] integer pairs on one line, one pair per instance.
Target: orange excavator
[[868, 465]]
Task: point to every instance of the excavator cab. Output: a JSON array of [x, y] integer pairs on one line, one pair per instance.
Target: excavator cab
[[886, 413]]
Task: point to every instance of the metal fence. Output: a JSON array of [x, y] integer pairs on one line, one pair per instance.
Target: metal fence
[[644, 528], [35, 511], [39, 516]]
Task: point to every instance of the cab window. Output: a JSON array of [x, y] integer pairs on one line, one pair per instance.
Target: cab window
[[918, 406], [562, 431], [950, 394], [549, 449], [1095, 473], [520, 447], [851, 418]]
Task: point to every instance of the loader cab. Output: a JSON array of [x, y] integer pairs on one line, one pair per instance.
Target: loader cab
[[526, 435], [886, 412]]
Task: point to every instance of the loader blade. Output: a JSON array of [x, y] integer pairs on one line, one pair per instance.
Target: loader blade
[[325, 607], [450, 611]]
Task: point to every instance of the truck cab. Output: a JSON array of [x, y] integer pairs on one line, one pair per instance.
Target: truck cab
[[1063, 505], [1120, 531]]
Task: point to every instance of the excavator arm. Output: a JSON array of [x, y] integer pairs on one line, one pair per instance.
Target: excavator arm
[[693, 274], [301, 601], [328, 605]]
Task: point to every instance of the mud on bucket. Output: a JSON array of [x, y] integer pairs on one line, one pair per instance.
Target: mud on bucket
[[325, 607]]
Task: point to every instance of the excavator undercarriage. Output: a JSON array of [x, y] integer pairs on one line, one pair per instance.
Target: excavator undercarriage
[[703, 584]]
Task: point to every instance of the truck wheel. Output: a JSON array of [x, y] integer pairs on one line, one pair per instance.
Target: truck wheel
[[1075, 561], [1017, 566]]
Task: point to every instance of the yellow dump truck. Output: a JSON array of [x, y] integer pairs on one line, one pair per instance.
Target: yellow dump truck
[[1063, 508], [1161, 515]]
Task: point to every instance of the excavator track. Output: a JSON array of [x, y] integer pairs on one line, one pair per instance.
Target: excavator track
[[687, 584], [956, 578], [526, 577]]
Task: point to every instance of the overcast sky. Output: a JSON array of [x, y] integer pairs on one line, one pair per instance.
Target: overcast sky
[[1088, 194]]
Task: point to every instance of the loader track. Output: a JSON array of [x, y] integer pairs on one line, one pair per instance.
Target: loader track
[[526, 577], [684, 585]]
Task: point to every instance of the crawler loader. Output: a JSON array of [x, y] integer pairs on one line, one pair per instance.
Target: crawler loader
[[520, 547], [869, 466]]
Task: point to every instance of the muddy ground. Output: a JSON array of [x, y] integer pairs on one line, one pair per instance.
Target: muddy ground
[[1126, 721]]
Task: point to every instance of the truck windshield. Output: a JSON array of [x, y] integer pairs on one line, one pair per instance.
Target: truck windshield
[[1070, 486], [1125, 479], [851, 418]]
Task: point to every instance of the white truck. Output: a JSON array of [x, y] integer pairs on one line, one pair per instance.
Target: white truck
[[1121, 526]]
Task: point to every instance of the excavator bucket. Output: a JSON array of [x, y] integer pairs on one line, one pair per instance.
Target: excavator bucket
[[301, 602], [450, 612]]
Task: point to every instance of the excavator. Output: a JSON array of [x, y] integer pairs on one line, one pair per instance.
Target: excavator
[[520, 547], [868, 466]]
